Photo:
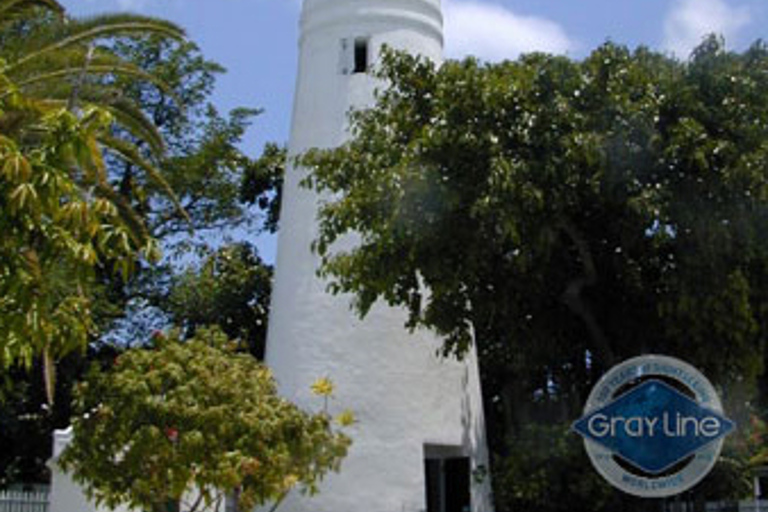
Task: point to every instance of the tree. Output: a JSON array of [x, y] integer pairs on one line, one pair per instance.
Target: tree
[[27, 420], [62, 221], [61, 217], [215, 180], [52, 57], [262, 184], [231, 289], [55, 60], [201, 162], [562, 215], [195, 420]]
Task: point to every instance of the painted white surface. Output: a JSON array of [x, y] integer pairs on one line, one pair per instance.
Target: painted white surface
[[66, 495], [403, 395]]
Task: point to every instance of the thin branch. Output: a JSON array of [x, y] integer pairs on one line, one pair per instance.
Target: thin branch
[[72, 105], [279, 501], [574, 299]]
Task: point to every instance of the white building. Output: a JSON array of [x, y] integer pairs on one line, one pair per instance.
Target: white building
[[65, 494], [420, 430]]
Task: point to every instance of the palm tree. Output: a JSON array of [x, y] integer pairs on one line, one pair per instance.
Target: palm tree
[[54, 59], [60, 218]]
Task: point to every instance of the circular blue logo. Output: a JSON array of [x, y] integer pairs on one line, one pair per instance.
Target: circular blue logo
[[653, 426]]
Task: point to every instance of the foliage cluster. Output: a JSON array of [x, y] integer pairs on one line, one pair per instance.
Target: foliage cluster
[[562, 215], [231, 289], [110, 150], [193, 421], [62, 220]]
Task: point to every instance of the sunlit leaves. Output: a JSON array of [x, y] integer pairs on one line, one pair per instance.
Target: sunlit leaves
[[61, 219], [57, 227]]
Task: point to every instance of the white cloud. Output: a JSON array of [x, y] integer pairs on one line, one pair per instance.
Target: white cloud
[[120, 5], [493, 32], [690, 20], [131, 5]]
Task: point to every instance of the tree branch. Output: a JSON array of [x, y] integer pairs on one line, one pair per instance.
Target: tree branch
[[197, 502], [572, 296]]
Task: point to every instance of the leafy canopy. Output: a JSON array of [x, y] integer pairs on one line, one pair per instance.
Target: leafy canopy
[[562, 216], [614, 204], [61, 217], [231, 289], [57, 226], [156, 98]]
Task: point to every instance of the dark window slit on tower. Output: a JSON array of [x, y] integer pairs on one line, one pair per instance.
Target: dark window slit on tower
[[361, 55]]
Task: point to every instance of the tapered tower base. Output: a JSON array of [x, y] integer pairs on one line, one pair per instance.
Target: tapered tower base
[[419, 444]]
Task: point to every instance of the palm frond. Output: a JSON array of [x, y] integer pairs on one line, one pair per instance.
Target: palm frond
[[111, 25], [130, 154], [136, 227], [126, 113], [132, 119], [10, 9], [66, 58], [76, 62], [111, 69]]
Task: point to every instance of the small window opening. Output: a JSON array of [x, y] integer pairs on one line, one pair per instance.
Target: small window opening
[[361, 55]]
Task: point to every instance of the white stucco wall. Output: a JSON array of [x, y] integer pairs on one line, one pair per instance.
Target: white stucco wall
[[403, 395], [67, 496]]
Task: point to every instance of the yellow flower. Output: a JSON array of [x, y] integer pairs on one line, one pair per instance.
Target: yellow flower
[[346, 418], [289, 481], [323, 387]]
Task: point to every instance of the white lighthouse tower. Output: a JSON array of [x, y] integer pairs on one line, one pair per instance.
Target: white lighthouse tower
[[419, 444]]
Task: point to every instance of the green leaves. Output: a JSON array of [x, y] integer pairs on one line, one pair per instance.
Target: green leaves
[[107, 139], [262, 184], [232, 289], [194, 416], [562, 215], [61, 219], [78, 32], [468, 175], [56, 232]]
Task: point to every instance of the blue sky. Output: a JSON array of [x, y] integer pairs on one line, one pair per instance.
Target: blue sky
[[256, 39]]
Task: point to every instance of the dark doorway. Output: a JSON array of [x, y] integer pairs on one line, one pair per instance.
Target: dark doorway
[[762, 487], [447, 484]]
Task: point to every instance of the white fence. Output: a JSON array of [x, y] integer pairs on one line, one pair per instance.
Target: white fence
[[717, 506], [24, 501], [753, 506]]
